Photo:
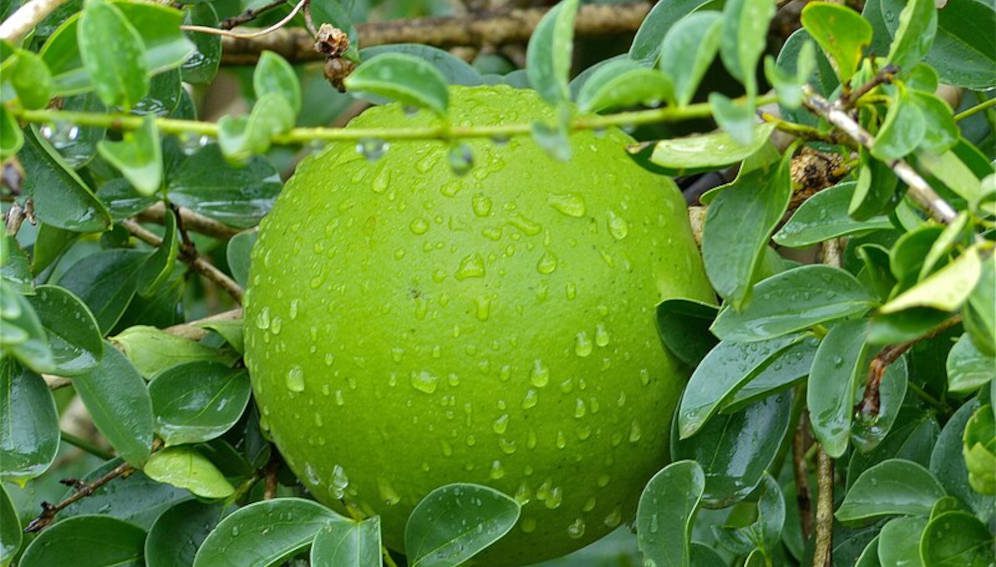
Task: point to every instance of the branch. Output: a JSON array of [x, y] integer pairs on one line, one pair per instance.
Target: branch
[[489, 29], [84, 445], [82, 491], [249, 15], [191, 221], [14, 28], [197, 263], [919, 189], [803, 497], [192, 329], [824, 510]]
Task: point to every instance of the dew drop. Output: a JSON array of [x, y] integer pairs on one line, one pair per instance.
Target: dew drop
[[617, 226], [424, 381], [579, 408], [561, 440], [501, 424], [481, 204], [530, 400], [547, 263], [569, 204], [614, 518], [339, 482], [472, 266], [528, 525], [295, 379], [554, 498], [582, 344], [372, 148], [497, 471], [460, 158], [419, 226], [576, 529], [483, 308], [540, 375], [634, 432], [507, 446], [601, 335], [263, 319], [387, 492]]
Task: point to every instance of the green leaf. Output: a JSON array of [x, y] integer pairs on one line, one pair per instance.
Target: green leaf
[[792, 301], [954, 233], [964, 49], [178, 532], [956, 539], [892, 487], [198, 401], [152, 350], [231, 331], [979, 449], [240, 137], [11, 139], [119, 75], [237, 255], [968, 369], [273, 74], [721, 373], [60, 196], [73, 334], [22, 333], [904, 126], [780, 372], [898, 542], [703, 152], [945, 289], [455, 70], [87, 540], [50, 244], [250, 537], [648, 42], [455, 522], [548, 56], [739, 224], [138, 155], [404, 78], [15, 273], [186, 468], [348, 544], [868, 431], [841, 32], [666, 513], [201, 66], [979, 314], [10, 528], [820, 75], [840, 365], [117, 399], [624, 83], [735, 118], [949, 168], [824, 216], [683, 325], [788, 86], [948, 463], [687, 51], [873, 190], [943, 132], [106, 282], [158, 267], [745, 33], [29, 424], [31, 79], [914, 33], [735, 463]]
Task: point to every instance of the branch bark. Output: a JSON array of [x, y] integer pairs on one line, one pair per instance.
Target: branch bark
[[490, 29], [14, 28], [824, 510], [191, 220], [803, 496], [82, 491]]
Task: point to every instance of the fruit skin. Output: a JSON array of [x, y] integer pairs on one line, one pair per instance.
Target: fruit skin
[[408, 328]]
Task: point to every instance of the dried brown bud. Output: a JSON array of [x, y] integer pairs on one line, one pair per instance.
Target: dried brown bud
[[336, 71], [331, 41]]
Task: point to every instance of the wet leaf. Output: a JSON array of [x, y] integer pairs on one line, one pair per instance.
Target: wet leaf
[[178, 532], [868, 431], [158, 267], [898, 542], [956, 539], [904, 126], [745, 32], [72, 332], [666, 513], [404, 78], [29, 424], [688, 49], [548, 56], [348, 544], [914, 34], [198, 401], [892, 487], [119, 75], [683, 325], [841, 364], [10, 528], [945, 289], [624, 83], [72, 540], [841, 32], [138, 156], [824, 216], [106, 282], [967, 368], [153, 350], [647, 43]]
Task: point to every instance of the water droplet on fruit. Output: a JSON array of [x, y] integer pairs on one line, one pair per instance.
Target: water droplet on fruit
[[424, 381], [579, 408], [530, 400], [634, 432], [614, 518], [387, 492], [561, 440], [576, 529], [569, 204], [481, 204], [501, 424], [372, 148], [507, 446], [460, 158], [547, 263], [601, 335], [263, 319], [419, 226], [295, 379], [497, 471], [582, 344], [603, 480], [472, 266], [540, 375], [483, 308], [528, 525]]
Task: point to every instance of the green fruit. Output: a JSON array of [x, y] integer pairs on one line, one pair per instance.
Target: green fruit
[[408, 327]]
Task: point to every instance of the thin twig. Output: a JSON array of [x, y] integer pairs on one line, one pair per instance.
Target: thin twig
[[191, 221], [249, 15], [919, 189], [803, 497], [27, 17], [270, 479], [194, 331], [247, 35], [83, 444], [977, 108], [805, 132], [824, 510], [884, 76], [197, 263], [82, 491]]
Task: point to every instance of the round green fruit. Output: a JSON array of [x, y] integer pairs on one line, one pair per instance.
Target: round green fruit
[[408, 327]]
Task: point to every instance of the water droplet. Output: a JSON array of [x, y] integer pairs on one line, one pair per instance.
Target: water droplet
[[576, 529], [419, 226], [460, 158], [614, 518], [501, 424], [507, 446], [547, 263], [372, 148], [339, 482], [530, 400], [554, 498], [293, 308], [527, 226], [481, 204], [528, 525], [275, 325], [540, 375], [838, 361], [561, 440], [634, 432], [579, 408], [582, 344], [603, 480], [571, 291], [483, 308], [472, 266], [497, 471], [295, 379], [263, 319], [569, 204], [424, 381], [387, 492], [601, 335]]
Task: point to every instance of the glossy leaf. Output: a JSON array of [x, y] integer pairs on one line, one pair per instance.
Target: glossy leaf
[[841, 363], [198, 401], [118, 401], [73, 541], [821, 76], [105, 281], [967, 368], [624, 83], [914, 33], [792, 301], [873, 190], [437, 533], [687, 51], [455, 70], [892, 487], [953, 172], [138, 156], [943, 132], [956, 539], [241, 137], [946, 290], [251, 536], [841, 32], [954, 233], [703, 152], [738, 225], [184, 467], [780, 372], [60, 196], [21, 332], [237, 255], [898, 542], [721, 373], [119, 75], [29, 424], [736, 449], [978, 315], [868, 431], [158, 267], [948, 463], [745, 32], [788, 86], [201, 66], [72, 332], [548, 56], [683, 325], [904, 126], [178, 532], [153, 350], [403, 78], [10, 528], [348, 544], [964, 49], [666, 513], [824, 216], [648, 42]]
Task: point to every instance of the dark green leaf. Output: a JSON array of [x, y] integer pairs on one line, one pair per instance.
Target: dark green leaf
[[29, 424], [979, 313], [821, 76], [889, 488], [202, 65], [31, 80], [177, 533], [788, 86], [115, 395], [22, 334], [943, 133], [721, 373], [184, 467], [10, 528], [964, 49], [956, 539], [735, 118], [455, 70], [948, 464], [237, 255], [119, 75], [824, 216], [198, 401], [15, 273], [840, 365], [60, 197], [163, 98], [624, 83], [87, 540], [868, 431], [548, 56], [647, 43], [904, 126], [704, 152], [158, 267], [138, 155], [273, 74], [105, 281], [78, 144], [50, 244], [873, 190], [683, 325], [437, 532], [898, 542], [792, 301], [782, 371], [968, 369], [666, 513], [687, 51], [914, 33], [745, 33], [841, 32], [251, 536], [73, 334], [348, 544]]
